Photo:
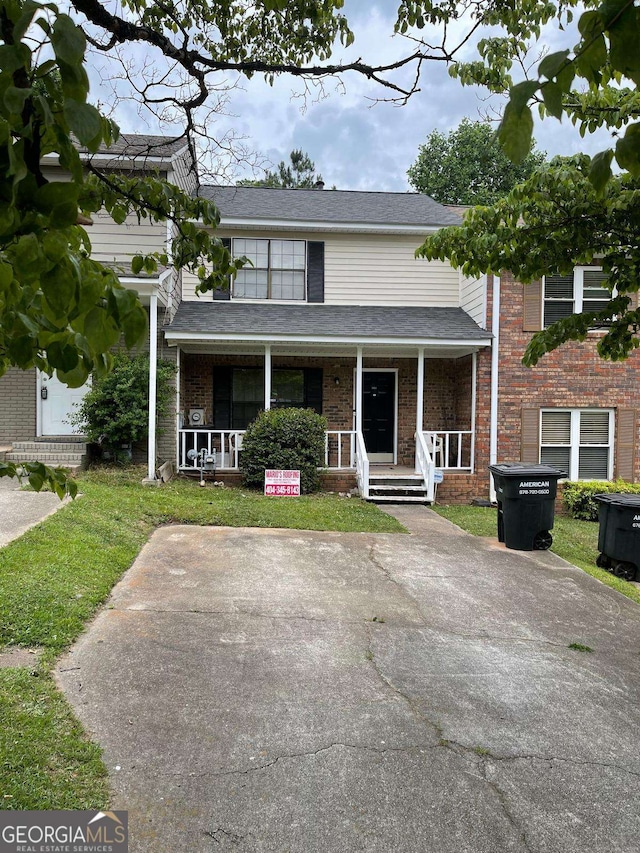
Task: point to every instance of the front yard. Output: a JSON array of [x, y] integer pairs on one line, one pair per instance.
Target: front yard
[[54, 578]]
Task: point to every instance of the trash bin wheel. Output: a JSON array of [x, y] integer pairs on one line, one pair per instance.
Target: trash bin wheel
[[603, 562], [542, 541], [624, 570]]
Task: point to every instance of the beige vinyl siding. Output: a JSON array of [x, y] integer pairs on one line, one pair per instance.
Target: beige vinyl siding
[[111, 242], [189, 282], [368, 269], [372, 269], [473, 298]]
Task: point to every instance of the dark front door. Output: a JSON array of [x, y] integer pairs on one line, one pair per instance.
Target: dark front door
[[379, 415]]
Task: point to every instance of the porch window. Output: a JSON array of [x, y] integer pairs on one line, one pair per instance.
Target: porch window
[[238, 393], [278, 269], [565, 295], [578, 441]]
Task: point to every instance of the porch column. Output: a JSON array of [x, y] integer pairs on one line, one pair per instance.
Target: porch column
[[359, 389], [153, 366], [419, 398], [474, 397], [267, 376]]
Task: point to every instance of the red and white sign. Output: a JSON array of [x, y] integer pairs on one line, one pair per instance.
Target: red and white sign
[[282, 483]]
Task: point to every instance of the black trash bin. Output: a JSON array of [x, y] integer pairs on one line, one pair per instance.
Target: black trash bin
[[619, 535], [526, 504]]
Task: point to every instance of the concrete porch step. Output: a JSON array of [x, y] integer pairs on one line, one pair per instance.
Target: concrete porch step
[[46, 446], [56, 454], [47, 458], [398, 499]]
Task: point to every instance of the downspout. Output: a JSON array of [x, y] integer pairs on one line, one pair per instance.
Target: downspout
[[495, 354]]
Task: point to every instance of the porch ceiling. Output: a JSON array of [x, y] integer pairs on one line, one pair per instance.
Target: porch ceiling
[[327, 350]]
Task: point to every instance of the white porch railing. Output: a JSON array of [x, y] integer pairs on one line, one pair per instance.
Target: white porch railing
[[339, 448], [452, 450], [362, 466], [226, 443], [425, 466]]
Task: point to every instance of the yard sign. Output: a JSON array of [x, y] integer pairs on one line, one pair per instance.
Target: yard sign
[[282, 483]]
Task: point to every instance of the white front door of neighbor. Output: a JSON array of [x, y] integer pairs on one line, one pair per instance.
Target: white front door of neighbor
[[56, 404]]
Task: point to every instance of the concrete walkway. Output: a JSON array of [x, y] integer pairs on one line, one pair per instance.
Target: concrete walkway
[[299, 692], [21, 510]]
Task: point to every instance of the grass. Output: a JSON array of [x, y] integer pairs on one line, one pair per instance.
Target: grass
[[573, 540], [54, 578]]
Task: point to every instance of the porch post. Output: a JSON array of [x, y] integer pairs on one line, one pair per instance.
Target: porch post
[[267, 376], [359, 389], [153, 366], [419, 398], [474, 396], [179, 423]]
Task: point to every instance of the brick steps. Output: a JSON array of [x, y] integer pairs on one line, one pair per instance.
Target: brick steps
[[56, 454]]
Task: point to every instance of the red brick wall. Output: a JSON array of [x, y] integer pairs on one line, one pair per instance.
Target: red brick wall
[[574, 376]]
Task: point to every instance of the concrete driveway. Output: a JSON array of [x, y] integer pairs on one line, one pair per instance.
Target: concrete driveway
[[298, 692], [21, 510]]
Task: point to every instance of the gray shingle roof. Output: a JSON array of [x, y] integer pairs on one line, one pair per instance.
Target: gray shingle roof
[[348, 321], [330, 206], [144, 145]]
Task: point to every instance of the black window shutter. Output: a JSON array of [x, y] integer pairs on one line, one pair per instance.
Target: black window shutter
[[315, 271], [223, 293], [222, 384], [313, 389]]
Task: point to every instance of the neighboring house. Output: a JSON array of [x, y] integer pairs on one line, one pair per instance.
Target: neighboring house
[[406, 358]]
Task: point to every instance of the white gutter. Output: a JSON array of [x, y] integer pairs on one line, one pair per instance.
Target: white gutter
[[153, 366], [495, 354], [234, 222], [201, 337]]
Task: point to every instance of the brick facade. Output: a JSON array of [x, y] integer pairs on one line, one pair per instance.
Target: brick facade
[[574, 376], [17, 405]]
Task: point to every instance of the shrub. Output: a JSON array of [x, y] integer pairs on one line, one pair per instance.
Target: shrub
[[284, 438], [579, 497], [115, 411]]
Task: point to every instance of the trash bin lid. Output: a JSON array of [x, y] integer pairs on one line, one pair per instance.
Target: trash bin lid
[[619, 499], [526, 469]]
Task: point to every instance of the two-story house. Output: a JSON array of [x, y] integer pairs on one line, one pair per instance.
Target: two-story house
[[416, 368]]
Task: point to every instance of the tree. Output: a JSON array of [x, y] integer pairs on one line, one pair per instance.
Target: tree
[[298, 174], [577, 210], [468, 166]]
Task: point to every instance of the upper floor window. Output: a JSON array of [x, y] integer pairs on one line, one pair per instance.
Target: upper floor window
[[278, 271], [565, 295], [578, 441]]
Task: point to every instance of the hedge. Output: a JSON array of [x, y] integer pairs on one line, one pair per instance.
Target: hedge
[[288, 438], [579, 497]]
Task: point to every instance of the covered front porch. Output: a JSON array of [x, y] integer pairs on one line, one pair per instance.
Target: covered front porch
[[398, 386]]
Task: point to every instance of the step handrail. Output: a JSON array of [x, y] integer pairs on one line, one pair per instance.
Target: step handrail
[[425, 466], [362, 466]]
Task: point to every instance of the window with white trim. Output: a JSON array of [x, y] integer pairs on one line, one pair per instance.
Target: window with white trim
[[277, 270], [565, 295], [579, 441]]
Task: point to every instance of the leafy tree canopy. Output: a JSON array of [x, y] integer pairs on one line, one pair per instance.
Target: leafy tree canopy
[[299, 173], [578, 210], [468, 166]]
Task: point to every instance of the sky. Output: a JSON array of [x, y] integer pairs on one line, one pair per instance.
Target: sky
[[356, 141]]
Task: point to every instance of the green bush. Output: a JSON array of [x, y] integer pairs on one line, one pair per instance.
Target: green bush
[[578, 497], [284, 438], [115, 411]]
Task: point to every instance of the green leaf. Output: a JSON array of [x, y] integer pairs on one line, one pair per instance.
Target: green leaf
[[100, 330], [58, 286], [62, 356], [520, 94], [15, 98], [515, 132], [84, 120], [628, 150], [136, 264], [600, 172], [74, 378], [553, 63], [68, 40], [135, 326], [552, 95]]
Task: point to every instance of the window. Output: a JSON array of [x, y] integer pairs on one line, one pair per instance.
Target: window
[[578, 441], [565, 295], [278, 271], [238, 392]]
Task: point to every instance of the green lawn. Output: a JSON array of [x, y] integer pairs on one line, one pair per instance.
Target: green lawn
[[575, 541], [54, 578]]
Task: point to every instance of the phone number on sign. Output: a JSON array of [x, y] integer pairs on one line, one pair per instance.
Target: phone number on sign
[[292, 491]]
